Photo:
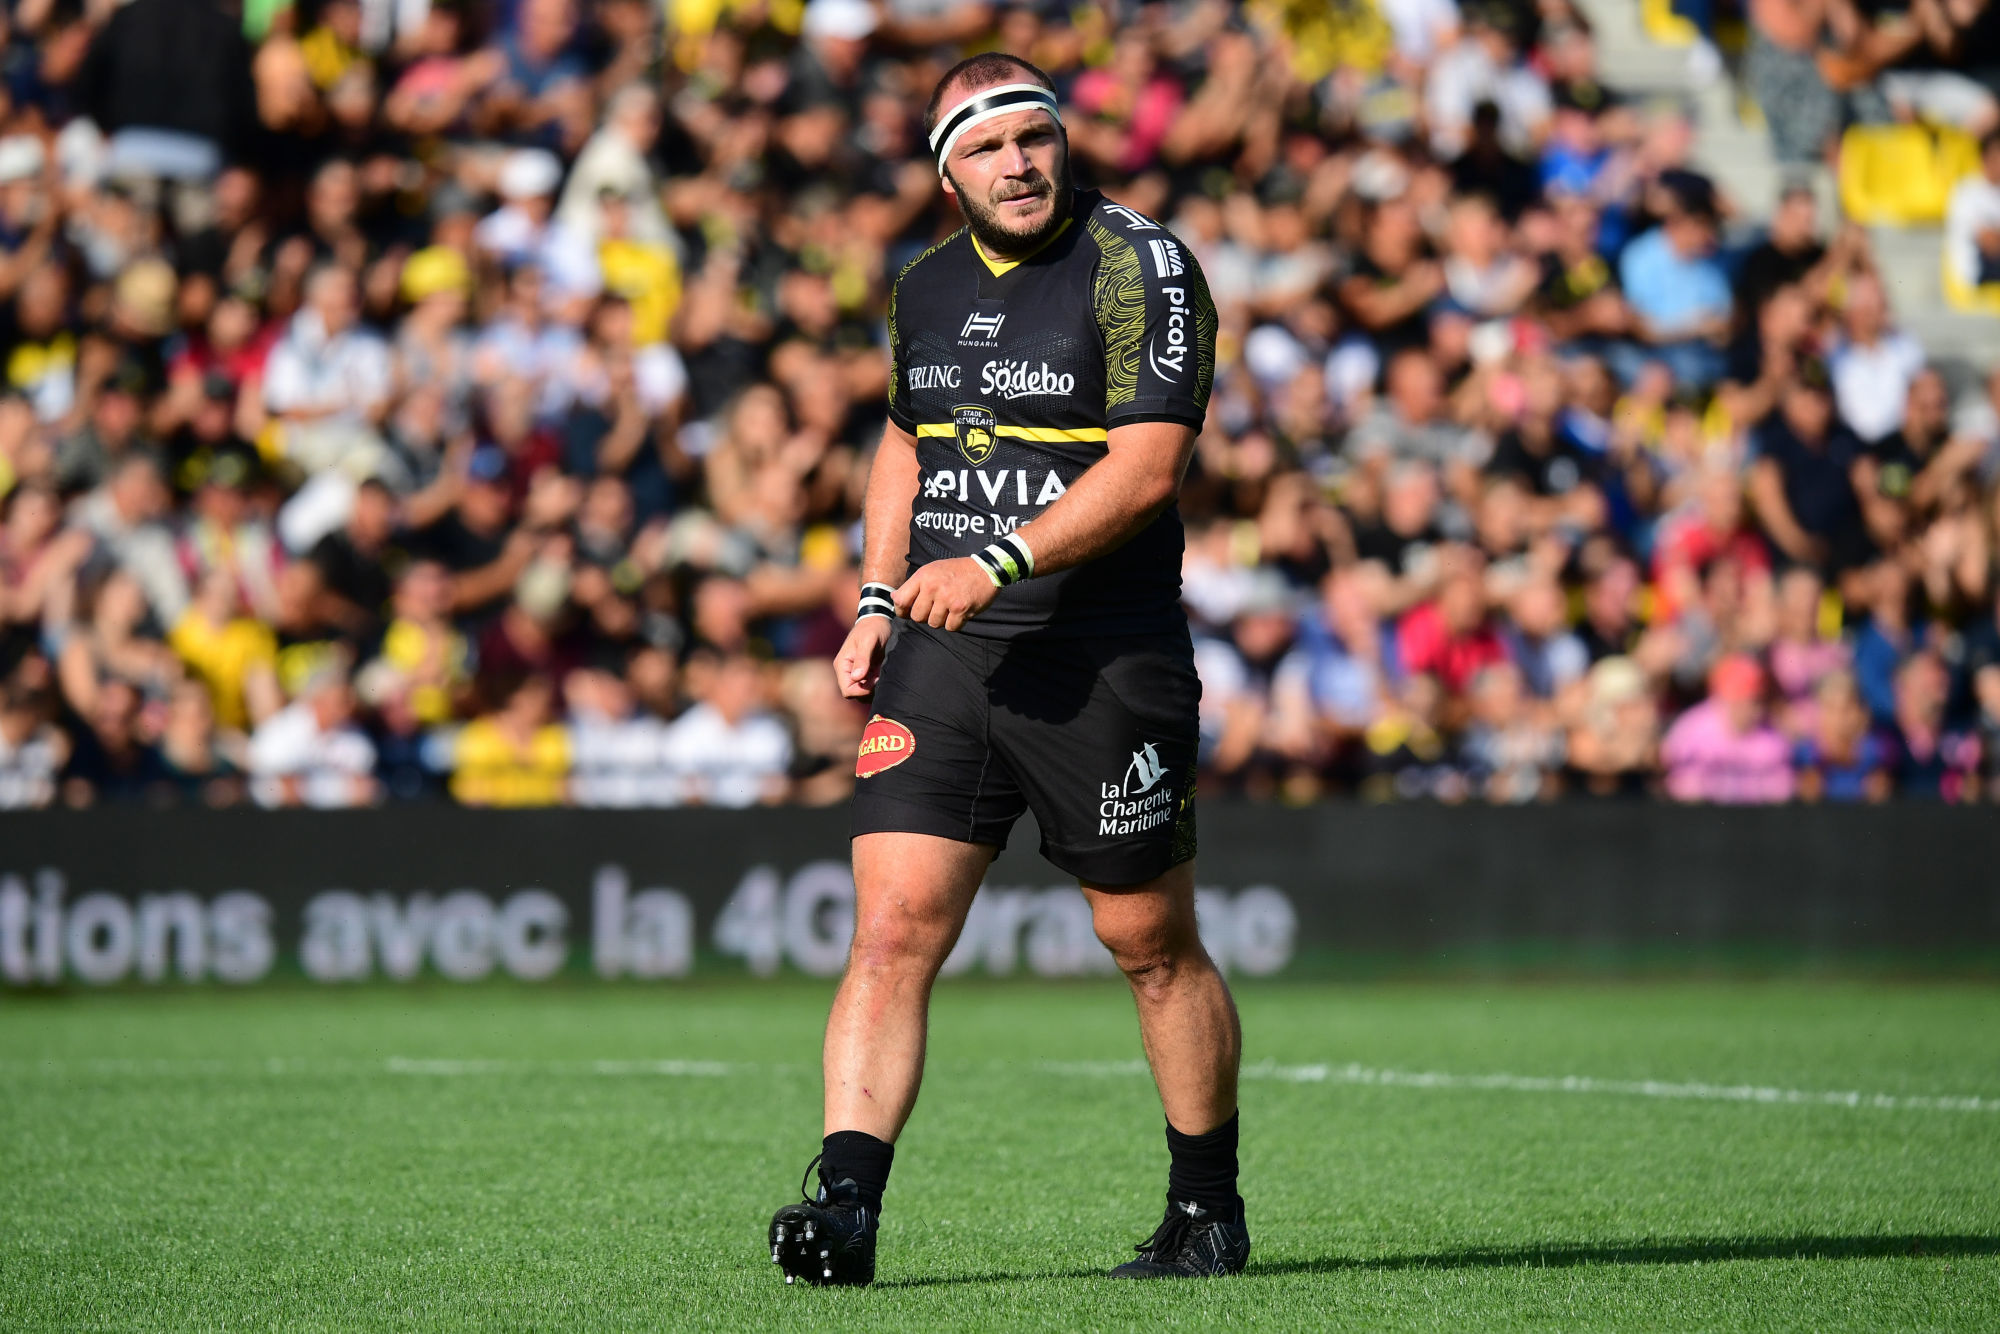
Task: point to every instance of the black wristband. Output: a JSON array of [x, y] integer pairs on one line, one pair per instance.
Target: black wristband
[[1007, 561], [877, 600]]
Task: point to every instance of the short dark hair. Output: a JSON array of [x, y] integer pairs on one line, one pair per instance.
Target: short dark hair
[[987, 68]]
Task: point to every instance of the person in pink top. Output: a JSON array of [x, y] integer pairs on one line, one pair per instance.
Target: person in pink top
[[1131, 106], [1722, 750]]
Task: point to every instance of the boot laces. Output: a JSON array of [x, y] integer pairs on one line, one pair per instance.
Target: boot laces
[[1171, 1235], [806, 1194]]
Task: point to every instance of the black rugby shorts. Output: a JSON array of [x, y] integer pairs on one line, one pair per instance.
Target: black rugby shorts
[[1096, 736]]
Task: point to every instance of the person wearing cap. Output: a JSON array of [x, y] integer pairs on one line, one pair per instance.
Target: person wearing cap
[[524, 230], [226, 534], [112, 432], [827, 67], [1021, 634], [433, 347], [1723, 751]]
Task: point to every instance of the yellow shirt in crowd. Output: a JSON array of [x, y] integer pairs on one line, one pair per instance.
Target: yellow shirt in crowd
[[439, 662], [490, 770], [649, 278], [223, 656]]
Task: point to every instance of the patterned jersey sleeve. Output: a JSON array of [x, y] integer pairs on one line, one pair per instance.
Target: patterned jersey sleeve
[[898, 401], [1157, 322]]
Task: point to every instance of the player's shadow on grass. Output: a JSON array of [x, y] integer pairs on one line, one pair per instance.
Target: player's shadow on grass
[[1560, 1255], [1684, 1251]]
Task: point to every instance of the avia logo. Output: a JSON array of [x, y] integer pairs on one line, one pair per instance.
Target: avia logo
[[981, 326], [1166, 258], [934, 377], [885, 743], [1145, 771], [1169, 362], [1138, 222], [1017, 379]]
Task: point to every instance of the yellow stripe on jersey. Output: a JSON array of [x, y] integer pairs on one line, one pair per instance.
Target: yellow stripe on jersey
[[1051, 434], [1038, 434]]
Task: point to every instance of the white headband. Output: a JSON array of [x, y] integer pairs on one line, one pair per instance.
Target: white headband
[[985, 105]]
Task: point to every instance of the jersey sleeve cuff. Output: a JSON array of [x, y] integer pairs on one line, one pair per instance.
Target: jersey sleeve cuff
[[902, 421], [1192, 420]]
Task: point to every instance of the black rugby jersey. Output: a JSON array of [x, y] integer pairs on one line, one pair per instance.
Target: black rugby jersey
[[1011, 373]]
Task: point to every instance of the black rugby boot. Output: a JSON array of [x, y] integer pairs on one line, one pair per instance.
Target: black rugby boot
[[828, 1238], [1192, 1242]]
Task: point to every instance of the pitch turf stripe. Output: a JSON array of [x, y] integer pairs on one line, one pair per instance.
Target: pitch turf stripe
[[1635, 1088], [1352, 1073], [405, 1065]]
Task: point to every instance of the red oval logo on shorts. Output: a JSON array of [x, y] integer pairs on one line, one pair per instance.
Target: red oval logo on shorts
[[885, 743]]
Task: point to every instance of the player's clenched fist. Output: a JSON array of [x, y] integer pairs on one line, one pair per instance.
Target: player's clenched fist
[[860, 660], [946, 593]]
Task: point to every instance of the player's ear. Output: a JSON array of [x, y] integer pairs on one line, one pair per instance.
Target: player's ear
[[950, 187]]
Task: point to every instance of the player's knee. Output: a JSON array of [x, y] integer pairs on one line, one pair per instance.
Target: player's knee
[[1151, 955], [891, 941]]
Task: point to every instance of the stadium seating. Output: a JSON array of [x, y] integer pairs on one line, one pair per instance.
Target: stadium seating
[[1664, 26], [1981, 300], [1901, 175]]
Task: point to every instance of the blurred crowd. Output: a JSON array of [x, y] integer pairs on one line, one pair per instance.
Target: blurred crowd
[[1816, 66], [408, 399]]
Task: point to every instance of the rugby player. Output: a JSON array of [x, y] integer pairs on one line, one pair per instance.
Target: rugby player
[[1021, 633]]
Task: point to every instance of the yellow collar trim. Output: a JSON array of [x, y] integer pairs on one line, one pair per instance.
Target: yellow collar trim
[[1000, 266]]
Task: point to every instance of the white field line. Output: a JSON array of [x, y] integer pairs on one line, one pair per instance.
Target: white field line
[[1634, 1088], [394, 1065], [1351, 1073]]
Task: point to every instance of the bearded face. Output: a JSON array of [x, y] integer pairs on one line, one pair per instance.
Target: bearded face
[[1013, 183]]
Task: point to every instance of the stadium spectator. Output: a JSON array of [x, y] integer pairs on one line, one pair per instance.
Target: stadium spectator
[[312, 753], [1614, 748], [1802, 480], [1935, 760], [1872, 364], [1972, 223], [1678, 291], [516, 755], [1722, 750], [728, 749], [1842, 757], [33, 751]]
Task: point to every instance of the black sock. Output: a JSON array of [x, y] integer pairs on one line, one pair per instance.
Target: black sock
[[858, 1156], [1203, 1169]]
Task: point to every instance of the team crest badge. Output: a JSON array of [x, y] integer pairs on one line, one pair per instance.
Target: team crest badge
[[975, 427]]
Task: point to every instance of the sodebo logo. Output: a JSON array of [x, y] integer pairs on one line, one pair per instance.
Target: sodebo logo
[[1017, 379], [1170, 362]]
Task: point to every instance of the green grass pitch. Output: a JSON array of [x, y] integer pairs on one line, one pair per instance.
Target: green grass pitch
[[606, 1157]]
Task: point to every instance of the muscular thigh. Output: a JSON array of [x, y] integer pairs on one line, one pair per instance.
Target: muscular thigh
[[912, 891]]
